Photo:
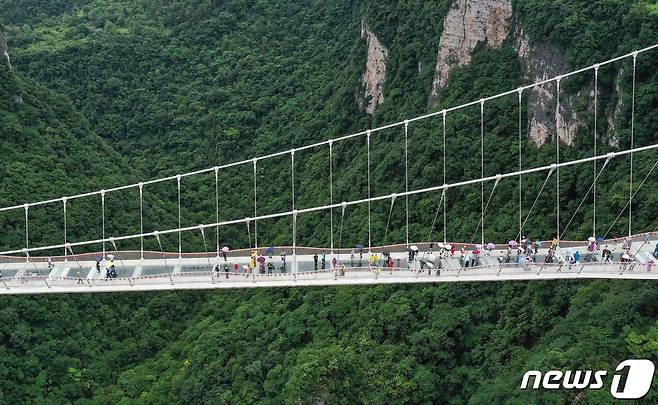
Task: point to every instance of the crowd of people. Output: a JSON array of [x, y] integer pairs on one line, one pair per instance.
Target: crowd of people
[[525, 254]]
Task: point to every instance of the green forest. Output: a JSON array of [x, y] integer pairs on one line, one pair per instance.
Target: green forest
[[101, 93]]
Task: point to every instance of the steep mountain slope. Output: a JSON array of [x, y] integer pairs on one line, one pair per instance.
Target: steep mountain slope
[[190, 84], [49, 150], [52, 347]]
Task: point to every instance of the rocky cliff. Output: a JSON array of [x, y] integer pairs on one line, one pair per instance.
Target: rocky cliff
[[468, 23], [375, 73], [540, 62], [4, 50]]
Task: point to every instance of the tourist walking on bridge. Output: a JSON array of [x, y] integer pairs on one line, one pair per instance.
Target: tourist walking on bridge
[[628, 243], [607, 254]]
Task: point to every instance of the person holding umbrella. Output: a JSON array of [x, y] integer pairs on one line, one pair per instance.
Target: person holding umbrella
[[225, 250], [315, 261], [490, 248], [628, 243]]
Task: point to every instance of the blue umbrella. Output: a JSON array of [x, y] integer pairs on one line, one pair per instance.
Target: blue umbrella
[[270, 250], [359, 246]]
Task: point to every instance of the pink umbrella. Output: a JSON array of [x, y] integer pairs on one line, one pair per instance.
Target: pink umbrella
[[512, 243], [491, 246], [476, 252], [225, 249]]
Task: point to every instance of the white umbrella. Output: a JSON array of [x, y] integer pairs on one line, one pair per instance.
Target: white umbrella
[[110, 257], [225, 249], [591, 239], [448, 246], [430, 258], [414, 248], [626, 256], [246, 267], [430, 265], [441, 246]]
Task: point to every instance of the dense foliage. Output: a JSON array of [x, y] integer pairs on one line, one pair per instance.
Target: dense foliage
[[145, 89]]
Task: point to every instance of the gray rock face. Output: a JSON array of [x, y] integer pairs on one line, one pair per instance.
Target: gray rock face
[[468, 23], [4, 50], [375, 74], [542, 62]]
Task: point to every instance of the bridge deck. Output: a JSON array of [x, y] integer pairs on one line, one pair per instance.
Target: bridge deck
[[75, 275], [354, 276]]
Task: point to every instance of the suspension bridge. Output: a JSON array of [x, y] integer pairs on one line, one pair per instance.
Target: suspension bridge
[[32, 269]]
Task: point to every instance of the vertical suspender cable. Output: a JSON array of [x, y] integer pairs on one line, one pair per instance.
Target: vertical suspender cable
[[27, 232], [255, 210], [141, 219], [445, 238], [482, 168], [65, 250], [103, 219], [557, 159], [630, 185], [369, 229], [520, 176], [596, 106], [217, 207], [331, 197], [294, 214], [180, 236], [406, 178], [292, 176]]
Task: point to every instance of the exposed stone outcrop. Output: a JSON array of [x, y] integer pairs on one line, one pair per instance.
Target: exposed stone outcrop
[[540, 62], [4, 51], [375, 74], [613, 138], [469, 22]]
